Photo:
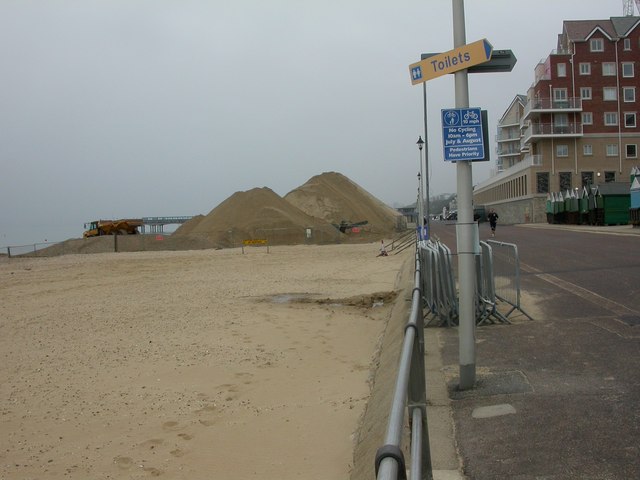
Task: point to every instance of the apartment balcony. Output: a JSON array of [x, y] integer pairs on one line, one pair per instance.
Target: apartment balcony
[[539, 106], [508, 136], [532, 161], [506, 150], [542, 131]]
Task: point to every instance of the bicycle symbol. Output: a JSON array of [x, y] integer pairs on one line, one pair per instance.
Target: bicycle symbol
[[470, 115]]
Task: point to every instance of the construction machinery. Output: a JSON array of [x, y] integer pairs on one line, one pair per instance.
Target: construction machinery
[[125, 226]]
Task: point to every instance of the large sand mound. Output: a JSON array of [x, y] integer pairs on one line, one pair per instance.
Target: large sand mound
[[336, 199], [259, 213], [307, 214]]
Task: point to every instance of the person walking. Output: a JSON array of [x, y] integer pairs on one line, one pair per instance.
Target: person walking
[[493, 221]]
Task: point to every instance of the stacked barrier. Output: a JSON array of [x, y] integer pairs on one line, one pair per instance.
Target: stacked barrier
[[439, 285]]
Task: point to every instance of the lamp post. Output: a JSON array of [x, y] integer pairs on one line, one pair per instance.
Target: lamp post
[[420, 144], [419, 204]]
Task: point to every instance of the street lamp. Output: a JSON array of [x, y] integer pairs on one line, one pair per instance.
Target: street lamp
[[420, 144]]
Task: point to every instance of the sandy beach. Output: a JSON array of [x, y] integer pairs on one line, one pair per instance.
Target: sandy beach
[[209, 364]]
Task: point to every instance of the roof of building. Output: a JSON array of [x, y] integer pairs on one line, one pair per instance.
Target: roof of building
[[614, 188], [519, 98], [615, 27], [581, 30]]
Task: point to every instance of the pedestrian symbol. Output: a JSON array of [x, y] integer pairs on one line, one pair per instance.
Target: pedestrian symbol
[[451, 117], [416, 73]]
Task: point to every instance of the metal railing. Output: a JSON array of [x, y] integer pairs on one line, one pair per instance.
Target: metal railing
[[410, 393], [551, 104], [33, 249], [506, 269]]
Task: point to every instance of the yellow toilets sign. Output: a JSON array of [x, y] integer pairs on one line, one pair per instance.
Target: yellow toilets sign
[[452, 61]]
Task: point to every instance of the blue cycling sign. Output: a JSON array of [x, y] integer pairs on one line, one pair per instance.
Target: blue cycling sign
[[462, 134]]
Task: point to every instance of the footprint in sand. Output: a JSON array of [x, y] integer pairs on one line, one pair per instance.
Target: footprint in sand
[[177, 452], [153, 471], [152, 443], [185, 436], [170, 426], [123, 462]]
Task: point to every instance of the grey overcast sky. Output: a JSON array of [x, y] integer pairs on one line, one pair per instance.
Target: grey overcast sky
[[131, 108]]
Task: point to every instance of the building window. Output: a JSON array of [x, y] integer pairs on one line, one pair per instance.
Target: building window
[[587, 118], [565, 180], [627, 44], [561, 120], [587, 150], [587, 179], [608, 69], [612, 150], [627, 69], [585, 68], [562, 69], [632, 150], [562, 150], [629, 119], [609, 177], [585, 93], [560, 95], [597, 45], [609, 93], [542, 182], [610, 119], [629, 94]]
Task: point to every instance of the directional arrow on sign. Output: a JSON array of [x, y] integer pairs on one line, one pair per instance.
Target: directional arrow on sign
[[501, 61], [452, 61]]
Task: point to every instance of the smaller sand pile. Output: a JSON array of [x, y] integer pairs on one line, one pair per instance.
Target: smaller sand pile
[[336, 199], [259, 213]]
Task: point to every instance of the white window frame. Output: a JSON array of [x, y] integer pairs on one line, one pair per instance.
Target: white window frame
[[596, 45], [562, 150], [586, 93], [630, 115], [627, 44], [587, 150], [561, 69], [585, 68], [608, 69], [632, 94], [607, 94], [626, 150], [610, 119], [587, 118], [560, 94], [628, 74], [611, 150], [561, 120]]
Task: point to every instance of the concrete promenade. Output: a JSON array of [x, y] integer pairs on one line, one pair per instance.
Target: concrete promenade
[[557, 396]]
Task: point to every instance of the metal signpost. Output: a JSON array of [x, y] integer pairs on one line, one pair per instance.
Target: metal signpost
[[463, 144]]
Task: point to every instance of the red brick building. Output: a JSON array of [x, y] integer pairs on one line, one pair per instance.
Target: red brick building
[[579, 123]]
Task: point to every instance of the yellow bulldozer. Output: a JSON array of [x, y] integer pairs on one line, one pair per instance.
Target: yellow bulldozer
[[125, 226]]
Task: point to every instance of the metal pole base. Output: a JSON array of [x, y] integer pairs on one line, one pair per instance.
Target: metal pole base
[[467, 376]]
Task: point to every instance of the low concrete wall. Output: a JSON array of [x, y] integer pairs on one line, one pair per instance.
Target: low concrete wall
[[528, 210], [373, 427]]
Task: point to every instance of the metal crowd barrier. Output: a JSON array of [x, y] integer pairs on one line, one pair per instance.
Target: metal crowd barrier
[[411, 392], [486, 299], [497, 278], [506, 268], [438, 283]]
